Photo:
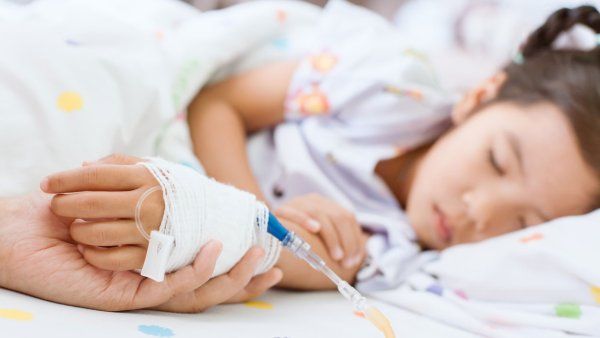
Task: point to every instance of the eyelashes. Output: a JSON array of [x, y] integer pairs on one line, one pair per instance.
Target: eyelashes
[[494, 163]]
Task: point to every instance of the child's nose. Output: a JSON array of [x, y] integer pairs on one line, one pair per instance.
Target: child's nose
[[490, 211]]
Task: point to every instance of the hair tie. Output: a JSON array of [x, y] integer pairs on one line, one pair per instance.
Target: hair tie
[[518, 58]]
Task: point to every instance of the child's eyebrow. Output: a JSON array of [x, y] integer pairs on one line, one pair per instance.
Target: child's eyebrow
[[515, 145]]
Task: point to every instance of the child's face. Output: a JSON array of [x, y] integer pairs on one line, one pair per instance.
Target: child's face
[[504, 168]]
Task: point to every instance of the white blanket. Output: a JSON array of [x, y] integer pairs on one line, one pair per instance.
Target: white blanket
[[84, 78]]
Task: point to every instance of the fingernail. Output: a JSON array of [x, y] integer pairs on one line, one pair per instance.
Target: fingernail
[[351, 261], [313, 225], [347, 263], [337, 253], [80, 248], [44, 184], [212, 245], [278, 275]]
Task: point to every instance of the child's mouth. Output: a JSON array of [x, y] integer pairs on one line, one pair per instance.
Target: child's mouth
[[442, 227]]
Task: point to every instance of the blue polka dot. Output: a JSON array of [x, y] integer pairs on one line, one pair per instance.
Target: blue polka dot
[[71, 42], [192, 165], [280, 43], [436, 289], [157, 331]]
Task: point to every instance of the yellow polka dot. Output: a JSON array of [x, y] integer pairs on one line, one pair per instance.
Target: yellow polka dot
[[15, 314], [69, 101], [324, 62], [259, 305], [596, 293]]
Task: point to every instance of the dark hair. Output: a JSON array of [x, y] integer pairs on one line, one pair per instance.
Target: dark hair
[[569, 79]]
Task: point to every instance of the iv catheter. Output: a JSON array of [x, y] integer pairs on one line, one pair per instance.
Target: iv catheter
[[301, 249]]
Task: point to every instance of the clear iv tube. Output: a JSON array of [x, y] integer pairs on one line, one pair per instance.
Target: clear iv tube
[[301, 249]]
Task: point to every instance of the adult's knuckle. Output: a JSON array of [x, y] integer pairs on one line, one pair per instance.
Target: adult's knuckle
[[100, 236], [91, 175], [86, 204], [198, 305], [237, 281]]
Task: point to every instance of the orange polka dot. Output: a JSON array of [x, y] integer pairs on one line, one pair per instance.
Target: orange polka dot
[[359, 314], [281, 16], [314, 102], [413, 93], [531, 238]]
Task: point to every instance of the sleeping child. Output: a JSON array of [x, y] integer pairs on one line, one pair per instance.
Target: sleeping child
[[364, 155]]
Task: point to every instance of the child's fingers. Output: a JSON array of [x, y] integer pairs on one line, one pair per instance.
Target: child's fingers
[[359, 248], [108, 233], [96, 204], [257, 286], [350, 234], [121, 258], [298, 217], [348, 242], [330, 237], [95, 178]]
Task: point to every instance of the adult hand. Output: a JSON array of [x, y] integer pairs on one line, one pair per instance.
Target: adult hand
[[38, 257]]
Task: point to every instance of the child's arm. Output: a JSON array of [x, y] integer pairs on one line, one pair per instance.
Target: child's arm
[[222, 115], [220, 118]]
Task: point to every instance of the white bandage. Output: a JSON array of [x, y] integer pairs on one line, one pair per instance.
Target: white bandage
[[198, 209]]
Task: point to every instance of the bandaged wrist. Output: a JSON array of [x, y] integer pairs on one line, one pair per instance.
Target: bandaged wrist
[[199, 209]]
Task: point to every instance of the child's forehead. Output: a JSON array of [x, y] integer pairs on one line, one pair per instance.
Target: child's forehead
[[543, 117]]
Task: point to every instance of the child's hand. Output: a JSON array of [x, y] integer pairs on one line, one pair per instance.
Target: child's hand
[[335, 224], [102, 196]]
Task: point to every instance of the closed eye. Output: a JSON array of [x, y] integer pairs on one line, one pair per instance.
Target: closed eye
[[494, 163]]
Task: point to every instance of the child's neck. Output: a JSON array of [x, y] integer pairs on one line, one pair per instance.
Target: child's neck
[[399, 172]]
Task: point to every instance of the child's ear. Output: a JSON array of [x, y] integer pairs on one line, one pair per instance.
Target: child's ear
[[476, 97]]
